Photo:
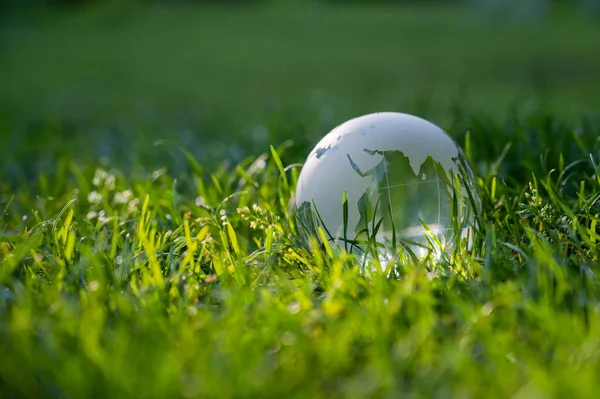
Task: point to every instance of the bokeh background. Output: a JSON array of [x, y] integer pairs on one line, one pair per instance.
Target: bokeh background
[[124, 82]]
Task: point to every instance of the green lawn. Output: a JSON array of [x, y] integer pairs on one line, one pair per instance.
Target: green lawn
[[159, 62], [227, 82], [121, 286], [130, 268]]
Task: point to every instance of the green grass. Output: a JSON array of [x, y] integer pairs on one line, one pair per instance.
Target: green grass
[[147, 247], [108, 81], [117, 284], [107, 64]]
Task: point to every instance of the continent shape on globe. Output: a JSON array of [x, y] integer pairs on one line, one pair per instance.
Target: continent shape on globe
[[393, 167], [401, 198]]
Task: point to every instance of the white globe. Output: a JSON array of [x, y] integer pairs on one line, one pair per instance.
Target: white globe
[[407, 184]]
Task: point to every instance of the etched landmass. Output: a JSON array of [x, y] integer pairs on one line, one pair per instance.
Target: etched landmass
[[319, 152], [401, 197]]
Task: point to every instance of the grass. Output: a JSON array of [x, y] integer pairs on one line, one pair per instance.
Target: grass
[[121, 285], [189, 64], [108, 81], [148, 250]]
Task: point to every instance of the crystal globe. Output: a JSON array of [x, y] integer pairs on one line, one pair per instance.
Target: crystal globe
[[390, 181]]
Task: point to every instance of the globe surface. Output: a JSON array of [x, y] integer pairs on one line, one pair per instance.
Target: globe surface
[[404, 179]]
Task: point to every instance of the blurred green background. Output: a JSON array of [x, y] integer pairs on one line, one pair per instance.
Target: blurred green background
[[106, 79]]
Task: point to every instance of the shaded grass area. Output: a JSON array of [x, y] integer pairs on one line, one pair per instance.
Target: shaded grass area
[[182, 61], [195, 284], [107, 81]]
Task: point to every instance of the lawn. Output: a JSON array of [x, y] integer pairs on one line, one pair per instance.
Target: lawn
[[147, 246], [119, 77]]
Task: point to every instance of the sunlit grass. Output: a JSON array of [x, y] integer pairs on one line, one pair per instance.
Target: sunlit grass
[[121, 284]]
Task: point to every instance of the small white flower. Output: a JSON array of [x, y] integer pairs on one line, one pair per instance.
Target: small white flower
[[109, 182], [123, 197], [200, 201], [102, 218], [99, 177], [94, 197], [244, 212], [132, 207]]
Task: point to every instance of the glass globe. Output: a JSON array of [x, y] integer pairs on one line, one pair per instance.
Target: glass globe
[[387, 181]]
